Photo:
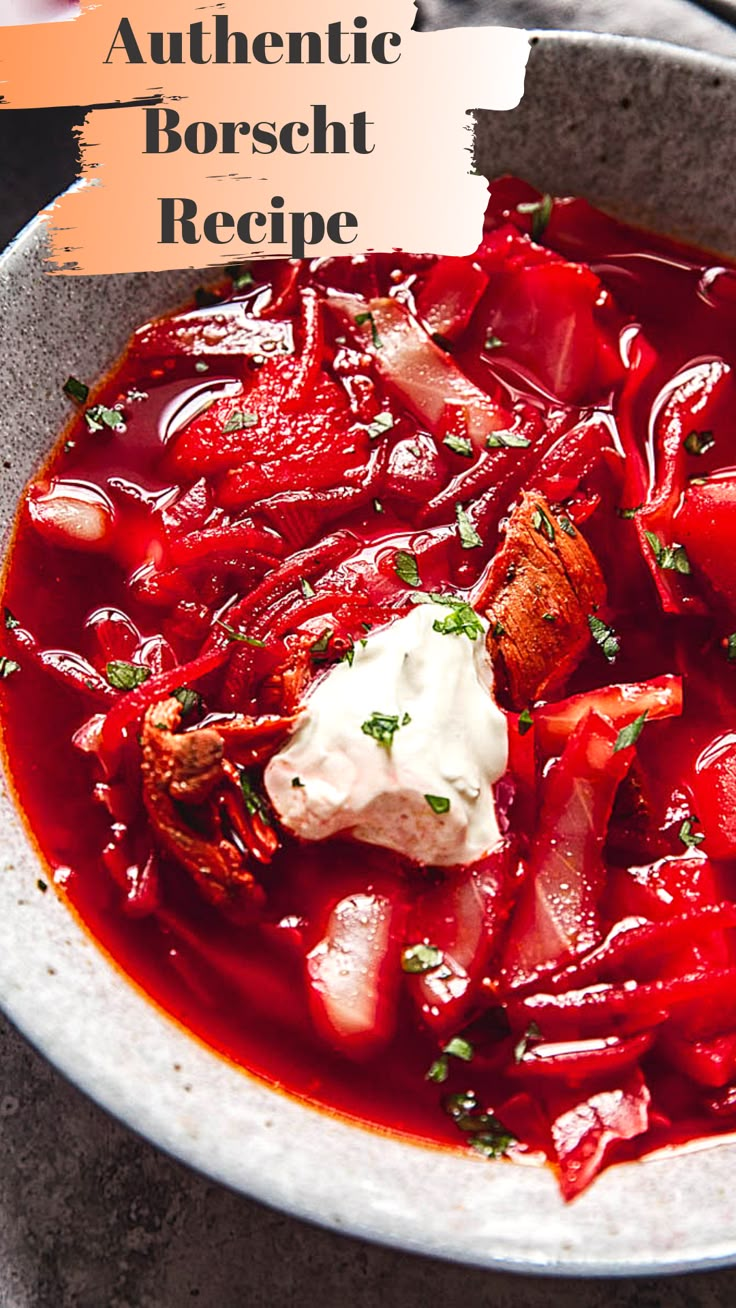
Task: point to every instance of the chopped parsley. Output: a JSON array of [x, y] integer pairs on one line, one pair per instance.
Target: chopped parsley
[[530, 1036], [361, 319], [42, 886], [549, 617], [76, 390], [671, 558], [462, 620], [379, 425], [240, 275], [697, 442], [238, 421], [507, 440], [730, 645], [629, 513], [604, 636], [232, 634], [320, 647], [407, 568], [190, 700], [378, 507], [201, 366], [438, 803], [255, 804], [308, 590], [126, 676], [526, 722], [482, 1130], [690, 838], [11, 622], [499, 630], [630, 734], [420, 958], [540, 211], [455, 1048], [566, 525], [542, 523], [99, 417], [297, 783], [469, 538], [459, 445], [493, 342], [383, 727], [8, 667]]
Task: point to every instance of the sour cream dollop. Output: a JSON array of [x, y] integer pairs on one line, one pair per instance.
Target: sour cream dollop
[[423, 789]]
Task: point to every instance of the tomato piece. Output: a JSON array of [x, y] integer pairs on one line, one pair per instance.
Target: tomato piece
[[707, 1062], [556, 916], [450, 295], [353, 973], [714, 790]]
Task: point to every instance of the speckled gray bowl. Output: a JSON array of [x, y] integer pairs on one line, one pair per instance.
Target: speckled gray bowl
[[648, 131]]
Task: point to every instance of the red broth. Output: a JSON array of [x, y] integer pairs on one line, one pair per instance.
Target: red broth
[[557, 365]]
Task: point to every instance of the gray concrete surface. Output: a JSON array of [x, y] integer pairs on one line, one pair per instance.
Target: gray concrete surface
[[92, 1217]]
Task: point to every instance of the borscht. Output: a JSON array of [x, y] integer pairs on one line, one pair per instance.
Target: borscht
[[368, 681]]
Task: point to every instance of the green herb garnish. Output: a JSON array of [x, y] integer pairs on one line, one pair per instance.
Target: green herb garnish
[[671, 558], [297, 783], [240, 275], [604, 636], [529, 1037], [566, 525], [8, 667], [201, 366], [255, 803], [407, 568], [630, 734], [469, 538], [308, 590], [629, 513], [697, 442], [378, 507], [383, 727], [541, 212], [730, 647], [189, 699], [238, 421], [512, 440], [126, 676], [542, 523], [461, 621], [99, 417], [493, 343], [240, 636], [690, 838], [420, 958], [11, 622], [76, 390], [378, 426], [361, 319], [459, 445], [438, 803], [526, 722]]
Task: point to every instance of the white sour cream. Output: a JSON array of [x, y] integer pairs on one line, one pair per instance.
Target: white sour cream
[[331, 777]]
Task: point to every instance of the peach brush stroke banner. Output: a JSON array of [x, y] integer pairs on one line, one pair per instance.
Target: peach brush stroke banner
[[405, 175]]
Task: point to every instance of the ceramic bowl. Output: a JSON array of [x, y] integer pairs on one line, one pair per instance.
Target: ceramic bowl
[[647, 131]]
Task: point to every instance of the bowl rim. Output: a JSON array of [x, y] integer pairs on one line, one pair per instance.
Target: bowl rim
[[105, 1078]]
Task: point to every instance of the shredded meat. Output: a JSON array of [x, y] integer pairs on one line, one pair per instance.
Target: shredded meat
[[190, 769], [541, 588]]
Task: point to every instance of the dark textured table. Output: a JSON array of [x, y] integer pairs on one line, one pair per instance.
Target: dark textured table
[[90, 1216]]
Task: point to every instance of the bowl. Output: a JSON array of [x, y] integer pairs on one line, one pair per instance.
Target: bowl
[[629, 124]]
